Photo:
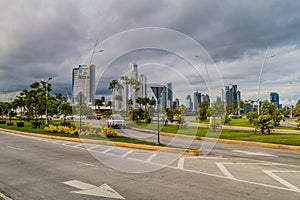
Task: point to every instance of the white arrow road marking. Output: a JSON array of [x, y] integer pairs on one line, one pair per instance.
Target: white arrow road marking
[[15, 148], [224, 170], [88, 189], [180, 163], [254, 153], [281, 180]]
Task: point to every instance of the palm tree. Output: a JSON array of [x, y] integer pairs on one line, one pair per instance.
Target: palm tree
[[98, 103], [112, 86]]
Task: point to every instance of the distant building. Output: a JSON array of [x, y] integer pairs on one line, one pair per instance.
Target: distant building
[[176, 103], [133, 70], [143, 86], [197, 100], [83, 81], [205, 98], [274, 98], [231, 96], [166, 97], [189, 103]]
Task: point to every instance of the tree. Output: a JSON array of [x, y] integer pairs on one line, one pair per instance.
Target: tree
[[98, 103], [297, 109], [203, 110], [268, 119], [65, 109]]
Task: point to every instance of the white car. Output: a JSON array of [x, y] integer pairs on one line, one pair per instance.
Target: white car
[[116, 120]]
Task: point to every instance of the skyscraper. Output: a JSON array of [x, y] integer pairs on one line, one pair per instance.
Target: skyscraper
[[232, 96], [133, 70], [166, 97], [169, 96], [197, 100], [83, 81], [189, 103], [274, 98], [143, 86]]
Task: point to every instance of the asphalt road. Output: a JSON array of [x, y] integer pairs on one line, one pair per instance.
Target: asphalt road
[[36, 168]]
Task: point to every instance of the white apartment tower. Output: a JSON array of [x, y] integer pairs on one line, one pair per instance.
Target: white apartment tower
[[83, 81]]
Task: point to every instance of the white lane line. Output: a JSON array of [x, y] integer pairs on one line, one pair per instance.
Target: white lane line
[[79, 184], [181, 163], [15, 148], [67, 143], [92, 147], [3, 196], [127, 153], [224, 170], [78, 145], [254, 153], [281, 180], [87, 164], [150, 158], [107, 150]]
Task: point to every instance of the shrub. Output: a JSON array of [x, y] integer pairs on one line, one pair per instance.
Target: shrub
[[20, 124], [61, 129], [10, 124], [35, 124]]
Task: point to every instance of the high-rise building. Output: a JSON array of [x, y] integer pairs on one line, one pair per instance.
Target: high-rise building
[[189, 103], [166, 97], [274, 98], [176, 103], [197, 100], [232, 96], [83, 81], [169, 96], [133, 70], [205, 98], [143, 86]]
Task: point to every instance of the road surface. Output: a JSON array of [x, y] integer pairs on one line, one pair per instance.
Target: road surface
[[37, 168]]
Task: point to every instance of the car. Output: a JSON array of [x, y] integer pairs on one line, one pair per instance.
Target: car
[[116, 120]]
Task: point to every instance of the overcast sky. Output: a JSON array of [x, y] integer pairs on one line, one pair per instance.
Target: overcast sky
[[50, 37]]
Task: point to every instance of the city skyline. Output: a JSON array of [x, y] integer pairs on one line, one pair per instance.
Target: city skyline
[[49, 38]]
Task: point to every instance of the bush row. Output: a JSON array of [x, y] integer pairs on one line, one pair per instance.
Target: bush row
[[61, 129], [87, 130]]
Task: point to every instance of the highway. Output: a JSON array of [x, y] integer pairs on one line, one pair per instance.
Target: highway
[[38, 168]]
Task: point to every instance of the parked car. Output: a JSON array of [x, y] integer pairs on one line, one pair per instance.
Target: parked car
[[116, 120]]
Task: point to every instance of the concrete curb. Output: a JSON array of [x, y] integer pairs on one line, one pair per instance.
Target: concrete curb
[[238, 142], [118, 144]]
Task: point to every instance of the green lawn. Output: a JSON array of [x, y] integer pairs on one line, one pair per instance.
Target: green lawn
[[276, 138], [239, 122]]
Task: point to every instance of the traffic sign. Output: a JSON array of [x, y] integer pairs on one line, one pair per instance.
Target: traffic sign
[[157, 91]]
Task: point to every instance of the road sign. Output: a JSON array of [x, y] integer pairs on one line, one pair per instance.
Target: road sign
[[92, 190], [80, 98], [157, 91]]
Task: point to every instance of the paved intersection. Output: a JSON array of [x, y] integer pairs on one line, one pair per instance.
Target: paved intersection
[[262, 173]]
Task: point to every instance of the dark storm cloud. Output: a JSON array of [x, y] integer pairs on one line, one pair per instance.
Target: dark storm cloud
[[49, 38]]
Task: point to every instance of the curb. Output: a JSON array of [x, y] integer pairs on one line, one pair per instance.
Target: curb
[[118, 144]]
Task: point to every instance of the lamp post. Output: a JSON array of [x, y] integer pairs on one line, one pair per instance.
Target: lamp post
[[291, 104], [47, 82], [207, 74], [259, 78], [90, 63]]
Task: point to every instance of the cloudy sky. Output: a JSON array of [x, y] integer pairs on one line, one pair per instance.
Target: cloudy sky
[[50, 37]]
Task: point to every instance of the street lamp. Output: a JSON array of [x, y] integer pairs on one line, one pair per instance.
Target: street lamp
[[47, 82], [208, 79], [291, 104], [259, 78]]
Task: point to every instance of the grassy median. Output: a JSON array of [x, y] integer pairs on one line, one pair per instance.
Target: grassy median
[[275, 138], [28, 128]]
